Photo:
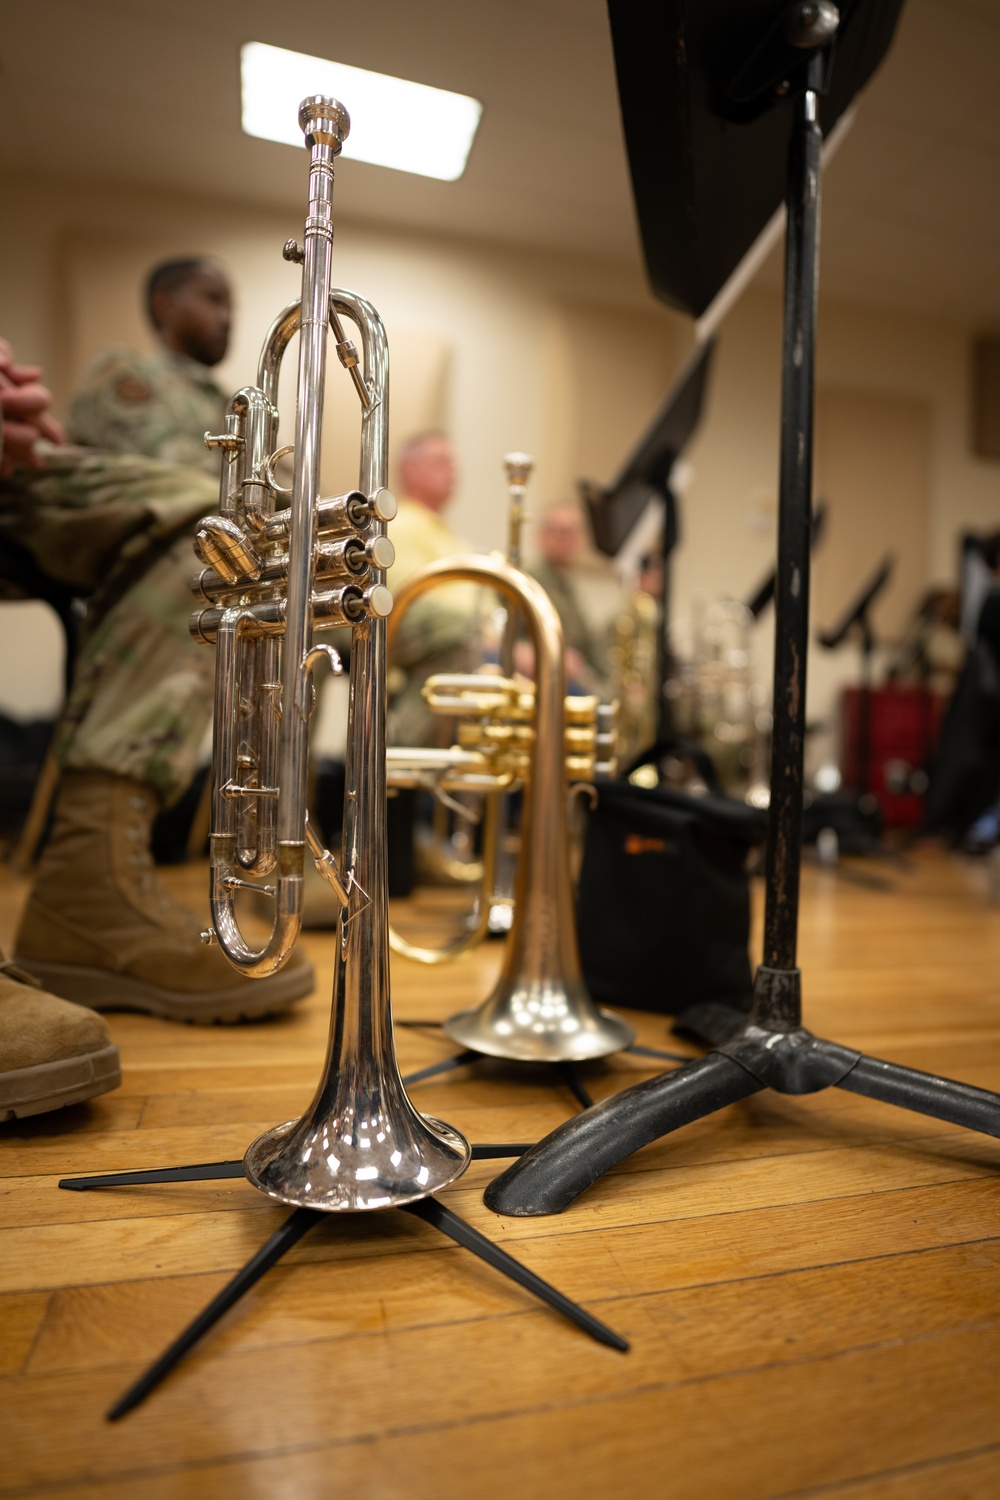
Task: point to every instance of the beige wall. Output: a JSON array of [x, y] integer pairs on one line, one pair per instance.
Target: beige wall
[[564, 356]]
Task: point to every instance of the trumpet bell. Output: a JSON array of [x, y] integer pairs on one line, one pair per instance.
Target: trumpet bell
[[356, 1150], [540, 1020]]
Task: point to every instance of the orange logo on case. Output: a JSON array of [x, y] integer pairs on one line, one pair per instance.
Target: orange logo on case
[[635, 843]]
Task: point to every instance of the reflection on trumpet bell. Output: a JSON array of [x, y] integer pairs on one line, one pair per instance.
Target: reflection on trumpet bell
[[541, 1019], [359, 1147]]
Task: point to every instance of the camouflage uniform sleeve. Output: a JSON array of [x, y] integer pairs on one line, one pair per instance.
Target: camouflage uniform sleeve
[[112, 407], [132, 403]]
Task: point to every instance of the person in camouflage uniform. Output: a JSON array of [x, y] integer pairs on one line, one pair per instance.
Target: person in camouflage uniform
[[162, 404], [116, 527], [52, 1053]]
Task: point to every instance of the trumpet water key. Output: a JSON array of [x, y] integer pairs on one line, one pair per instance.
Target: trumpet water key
[[272, 578]]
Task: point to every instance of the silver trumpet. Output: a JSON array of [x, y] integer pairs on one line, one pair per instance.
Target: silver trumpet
[[273, 577]]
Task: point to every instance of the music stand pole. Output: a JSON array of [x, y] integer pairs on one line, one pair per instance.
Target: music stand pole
[[664, 712], [798, 352], [770, 1048]]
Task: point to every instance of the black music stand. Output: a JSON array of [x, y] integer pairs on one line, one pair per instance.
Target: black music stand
[[763, 594], [688, 75], [645, 475], [857, 620]]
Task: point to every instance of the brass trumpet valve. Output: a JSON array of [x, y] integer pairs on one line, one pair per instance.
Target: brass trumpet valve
[[496, 717]]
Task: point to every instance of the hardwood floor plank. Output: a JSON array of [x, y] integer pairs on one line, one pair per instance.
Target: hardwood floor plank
[[811, 1284], [46, 1256], [829, 1418], [699, 1330], [21, 1318], [975, 1476]]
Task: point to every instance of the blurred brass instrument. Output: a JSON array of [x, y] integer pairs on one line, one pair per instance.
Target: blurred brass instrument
[[511, 735], [714, 697], [272, 578], [634, 660]]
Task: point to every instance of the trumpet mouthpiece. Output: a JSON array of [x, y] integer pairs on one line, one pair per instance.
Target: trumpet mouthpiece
[[519, 467], [325, 121]]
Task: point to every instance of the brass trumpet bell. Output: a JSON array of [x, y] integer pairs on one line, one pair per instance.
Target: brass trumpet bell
[[539, 1009]]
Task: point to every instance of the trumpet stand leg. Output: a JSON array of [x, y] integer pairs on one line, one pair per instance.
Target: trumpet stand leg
[[575, 1084], [294, 1227], [434, 1213], [208, 1171], [292, 1230], [567, 1070]]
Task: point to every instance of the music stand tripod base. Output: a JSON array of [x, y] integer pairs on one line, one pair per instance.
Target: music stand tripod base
[[429, 1209], [770, 1048], [766, 1050]]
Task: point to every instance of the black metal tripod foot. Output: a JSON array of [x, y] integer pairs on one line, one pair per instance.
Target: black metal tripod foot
[[754, 1056], [925, 1094], [556, 1171]]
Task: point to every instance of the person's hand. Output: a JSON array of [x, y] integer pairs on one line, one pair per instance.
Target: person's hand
[[24, 405]]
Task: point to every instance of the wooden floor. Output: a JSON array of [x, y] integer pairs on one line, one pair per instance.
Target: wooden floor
[[811, 1286]]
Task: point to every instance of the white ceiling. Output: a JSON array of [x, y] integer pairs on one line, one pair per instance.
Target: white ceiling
[[146, 92]]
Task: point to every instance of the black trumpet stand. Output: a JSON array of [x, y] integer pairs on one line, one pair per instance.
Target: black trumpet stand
[[569, 1073], [770, 1048], [430, 1210]]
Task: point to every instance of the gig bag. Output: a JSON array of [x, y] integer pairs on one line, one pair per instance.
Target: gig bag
[[663, 907]]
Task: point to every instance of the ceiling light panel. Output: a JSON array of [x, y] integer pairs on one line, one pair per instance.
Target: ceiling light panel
[[394, 123]]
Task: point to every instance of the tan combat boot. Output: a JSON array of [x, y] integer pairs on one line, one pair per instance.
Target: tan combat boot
[[51, 1053], [101, 929]]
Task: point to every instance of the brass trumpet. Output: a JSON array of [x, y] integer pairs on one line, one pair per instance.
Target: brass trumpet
[[272, 578], [539, 1009]]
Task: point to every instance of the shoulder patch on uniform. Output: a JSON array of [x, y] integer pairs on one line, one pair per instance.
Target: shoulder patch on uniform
[[131, 389]]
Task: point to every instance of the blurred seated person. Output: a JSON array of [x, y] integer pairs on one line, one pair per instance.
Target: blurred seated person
[[560, 541], [98, 928], [52, 1053], [437, 631], [162, 404]]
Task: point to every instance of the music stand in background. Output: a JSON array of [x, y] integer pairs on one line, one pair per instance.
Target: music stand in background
[[763, 594], [857, 619], [724, 104], [645, 475]]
